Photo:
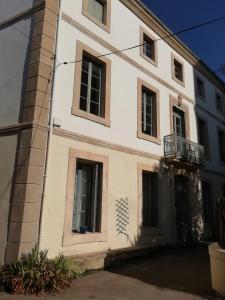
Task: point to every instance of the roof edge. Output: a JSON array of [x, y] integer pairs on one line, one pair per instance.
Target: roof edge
[[152, 21]]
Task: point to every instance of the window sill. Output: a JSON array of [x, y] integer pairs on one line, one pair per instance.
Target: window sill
[[77, 238], [178, 81], [149, 138], [151, 61], [105, 27], [91, 117]]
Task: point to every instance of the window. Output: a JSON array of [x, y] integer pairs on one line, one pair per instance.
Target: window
[[178, 122], [148, 112], [149, 49], [221, 136], [200, 88], [207, 201], [86, 210], [177, 70], [149, 199], [99, 12], [203, 137], [92, 86], [219, 103], [86, 198], [96, 9]]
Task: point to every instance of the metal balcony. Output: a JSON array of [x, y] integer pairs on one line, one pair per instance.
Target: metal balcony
[[179, 149]]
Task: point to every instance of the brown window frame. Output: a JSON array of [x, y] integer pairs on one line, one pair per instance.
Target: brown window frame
[[104, 120], [154, 139], [107, 14], [173, 58], [143, 33], [70, 237]]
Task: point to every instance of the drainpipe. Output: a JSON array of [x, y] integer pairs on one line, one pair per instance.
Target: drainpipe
[[51, 110]]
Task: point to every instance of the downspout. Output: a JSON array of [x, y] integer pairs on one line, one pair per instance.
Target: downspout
[[51, 109]]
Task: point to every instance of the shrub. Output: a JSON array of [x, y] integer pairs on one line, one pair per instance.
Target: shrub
[[34, 273]]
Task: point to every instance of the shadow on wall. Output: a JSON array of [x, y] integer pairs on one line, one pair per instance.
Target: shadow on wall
[[183, 268]]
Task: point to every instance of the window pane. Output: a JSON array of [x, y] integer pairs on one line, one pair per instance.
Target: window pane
[[84, 77], [83, 91], [96, 70], [95, 83], [94, 108], [83, 104], [87, 199], [99, 9], [178, 70], [149, 120]]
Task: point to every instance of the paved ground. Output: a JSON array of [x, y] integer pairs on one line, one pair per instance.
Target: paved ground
[[182, 274]]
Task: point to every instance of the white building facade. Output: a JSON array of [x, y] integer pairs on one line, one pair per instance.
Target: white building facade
[[108, 184], [125, 167]]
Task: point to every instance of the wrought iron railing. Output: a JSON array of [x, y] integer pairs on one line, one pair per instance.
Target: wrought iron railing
[[221, 222], [177, 147]]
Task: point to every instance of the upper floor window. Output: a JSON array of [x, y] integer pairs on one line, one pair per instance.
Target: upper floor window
[[148, 112], [220, 103], [149, 49], [98, 11], [92, 86], [177, 70], [221, 137], [203, 137], [178, 122], [200, 88]]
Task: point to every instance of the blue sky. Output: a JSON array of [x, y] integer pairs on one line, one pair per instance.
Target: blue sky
[[207, 42]]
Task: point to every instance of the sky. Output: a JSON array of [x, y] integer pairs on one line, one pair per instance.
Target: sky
[[207, 42]]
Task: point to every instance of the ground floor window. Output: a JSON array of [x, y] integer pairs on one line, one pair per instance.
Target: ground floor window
[[87, 197], [150, 212], [207, 201]]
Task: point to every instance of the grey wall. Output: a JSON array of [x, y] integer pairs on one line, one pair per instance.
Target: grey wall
[[7, 159], [14, 45]]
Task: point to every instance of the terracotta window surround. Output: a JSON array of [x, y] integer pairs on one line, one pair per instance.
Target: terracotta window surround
[[107, 14], [146, 231], [140, 134], [69, 237], [142, 33], [104, 120], [174, 102], [173, 58]]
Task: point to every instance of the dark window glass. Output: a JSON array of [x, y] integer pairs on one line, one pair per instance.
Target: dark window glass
[[178, 70], [221, 136], [200, 88], [203, 136], [149, 113], [149, 47], [150, 211]]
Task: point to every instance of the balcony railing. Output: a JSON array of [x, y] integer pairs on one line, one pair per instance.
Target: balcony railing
[[181, 149]]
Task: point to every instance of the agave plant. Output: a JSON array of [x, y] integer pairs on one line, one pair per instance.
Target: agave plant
[[35, 273]]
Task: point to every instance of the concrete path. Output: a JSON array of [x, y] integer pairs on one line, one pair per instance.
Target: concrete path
[[182, 274]]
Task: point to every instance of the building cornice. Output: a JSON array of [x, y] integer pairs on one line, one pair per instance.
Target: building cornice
[[143, 13]]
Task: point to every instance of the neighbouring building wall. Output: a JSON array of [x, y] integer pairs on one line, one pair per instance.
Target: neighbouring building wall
[[8, 145], [14, 52]]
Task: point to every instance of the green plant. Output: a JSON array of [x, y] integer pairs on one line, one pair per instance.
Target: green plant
[[34, 273]]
